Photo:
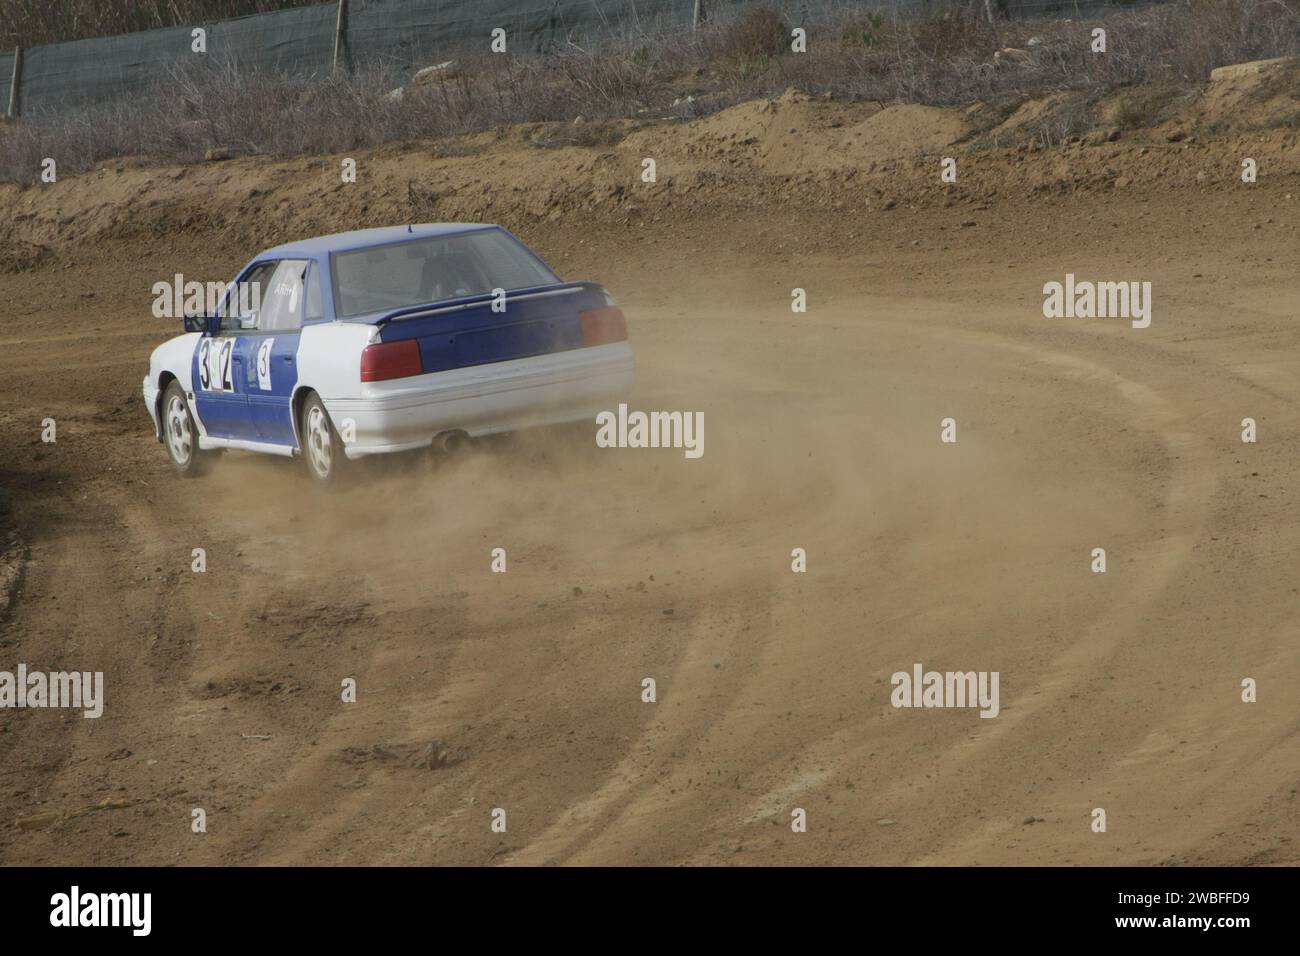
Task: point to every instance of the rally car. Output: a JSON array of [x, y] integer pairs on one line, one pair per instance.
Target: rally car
[[386, 340]]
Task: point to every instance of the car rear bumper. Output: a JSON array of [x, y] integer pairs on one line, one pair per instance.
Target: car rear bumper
[[407, 413]]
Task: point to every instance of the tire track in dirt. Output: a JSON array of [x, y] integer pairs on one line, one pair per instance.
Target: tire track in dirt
[[82, 608], [1186, 498], [693, 699], [1184, 515]]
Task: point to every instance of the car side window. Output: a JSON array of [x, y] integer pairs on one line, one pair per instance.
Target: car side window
[[283, 298], [315, 306], [244, 299]]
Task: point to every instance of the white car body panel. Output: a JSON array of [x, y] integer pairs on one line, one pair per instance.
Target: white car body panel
[[407, 413], [329, 359], [174, 356]]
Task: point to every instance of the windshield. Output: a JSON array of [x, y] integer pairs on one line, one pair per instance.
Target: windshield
[[429, 270]]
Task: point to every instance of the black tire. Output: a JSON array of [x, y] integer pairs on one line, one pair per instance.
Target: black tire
[[322, 448], [179, 433]]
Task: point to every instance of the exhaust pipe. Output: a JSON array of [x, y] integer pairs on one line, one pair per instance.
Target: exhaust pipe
[[450, 443]]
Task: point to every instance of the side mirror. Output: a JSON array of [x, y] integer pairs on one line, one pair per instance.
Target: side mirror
[[208, 324]]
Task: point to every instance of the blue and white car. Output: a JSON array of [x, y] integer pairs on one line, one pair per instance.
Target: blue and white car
[[386, 340]]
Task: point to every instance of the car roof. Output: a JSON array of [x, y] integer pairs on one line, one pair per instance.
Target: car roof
[[364, 238]]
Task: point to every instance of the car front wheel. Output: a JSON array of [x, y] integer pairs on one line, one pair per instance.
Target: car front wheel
[[179, 432]]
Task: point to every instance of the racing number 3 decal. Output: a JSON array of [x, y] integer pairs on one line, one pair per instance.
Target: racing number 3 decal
[[214, 365]]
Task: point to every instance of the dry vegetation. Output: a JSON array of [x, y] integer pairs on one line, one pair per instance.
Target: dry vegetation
[[31, 22], [947, 59], [17, 255]]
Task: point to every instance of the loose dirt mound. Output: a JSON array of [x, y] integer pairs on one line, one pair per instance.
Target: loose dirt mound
[[798, 133], [792, 133], [1259, 95], [1042, 120], [904, 133]]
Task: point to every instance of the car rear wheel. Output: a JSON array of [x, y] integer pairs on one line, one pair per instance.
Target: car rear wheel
[[322, 448], [179, 432]]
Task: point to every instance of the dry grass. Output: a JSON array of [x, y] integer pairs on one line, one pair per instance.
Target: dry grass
[[19, 256], [30, 22], [945, 59]]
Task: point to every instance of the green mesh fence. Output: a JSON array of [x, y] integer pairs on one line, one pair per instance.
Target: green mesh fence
[[401, 34]]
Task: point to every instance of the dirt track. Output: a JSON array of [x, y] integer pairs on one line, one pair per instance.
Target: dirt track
[[1119, 690]]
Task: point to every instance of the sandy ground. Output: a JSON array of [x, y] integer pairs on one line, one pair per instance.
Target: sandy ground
[[1118, 690]]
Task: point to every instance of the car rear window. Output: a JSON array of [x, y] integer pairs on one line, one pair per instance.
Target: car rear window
[[420, 271]]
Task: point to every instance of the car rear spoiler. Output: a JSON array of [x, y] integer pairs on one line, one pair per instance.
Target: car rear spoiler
[[473, 301]]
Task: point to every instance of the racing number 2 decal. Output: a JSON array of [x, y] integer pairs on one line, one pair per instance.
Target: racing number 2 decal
[[214, 364]]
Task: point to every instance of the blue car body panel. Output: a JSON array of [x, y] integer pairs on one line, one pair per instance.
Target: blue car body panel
[[463, 332], [219, 395], [257, 380], [272, 371]]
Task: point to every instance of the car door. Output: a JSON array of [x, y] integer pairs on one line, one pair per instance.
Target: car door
[[270, 352], [220, 372]]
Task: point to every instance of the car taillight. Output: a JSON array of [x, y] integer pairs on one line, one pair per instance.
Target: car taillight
[[603, 325], [386, 360]]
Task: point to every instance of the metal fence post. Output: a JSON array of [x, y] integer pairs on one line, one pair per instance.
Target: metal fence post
[[340, 33], [700, 15], [15, 104]]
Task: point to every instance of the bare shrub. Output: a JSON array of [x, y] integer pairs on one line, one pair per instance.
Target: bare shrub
[[1148, 105], [757, 32], [19, 256], [952, 35], [745, 47], [592, 135], [1213, 33], [867, 29]]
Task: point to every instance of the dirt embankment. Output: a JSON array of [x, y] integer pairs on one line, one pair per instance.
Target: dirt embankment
[[1120, 690], [843, 162]]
